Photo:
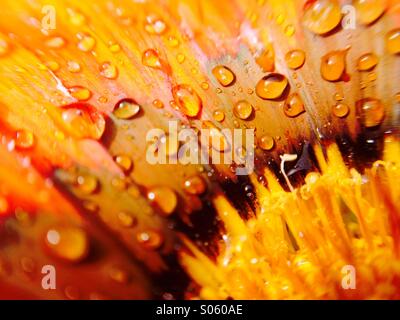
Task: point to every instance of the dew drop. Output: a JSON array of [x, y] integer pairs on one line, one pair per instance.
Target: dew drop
[[295, 59], [55, 42], [24, 139], [126, 109], [158, 104], [150, 58], [108, 70], [195, 185], [340, 110], [155, 25], [73, 66], [83, 121], [86, 43], [372, 112], [224, 75], [266, 142], [368, 11], [149, 239], [125, 219], [322, 16], [124, 162], [164, 198], [68, 243], [294, 106], [180, 57], [290, 30], [271, 86], [87, 183], [187, 100], [367, 62], [393, 41], [266, 59], [219, 115], [243, 110], [52, 65], [80, 93], [333, 65]]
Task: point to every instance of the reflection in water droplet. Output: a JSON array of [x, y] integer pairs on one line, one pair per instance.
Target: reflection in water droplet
[[266, 142], [367, 61], [150, 239], [219, 115], [87, 183], [109, 71], [86, 43]]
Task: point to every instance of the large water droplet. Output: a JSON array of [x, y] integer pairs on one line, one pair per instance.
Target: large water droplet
[[322, 16], [295, 59], [187, 100], [68, 243], [243, 109], [369, 11], [372, 111], [164, 198], [340, 110], [333, 65], [224, 75], [271, 86], [126, 109], [293, 106], [393, 41], [367, 62]]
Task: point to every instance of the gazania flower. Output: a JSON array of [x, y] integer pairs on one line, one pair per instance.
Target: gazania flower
[[84, 82]]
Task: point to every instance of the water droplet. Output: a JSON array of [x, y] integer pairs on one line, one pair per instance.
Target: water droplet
[[295, 59], [150, 58], [266, 59], [393, 41], [164, 198], [76, 18], [333, 65], [173, 41], [372, 112], [367, 62], [68, 243], [242, 110], [73, 66], [290, 30], [322, 16], [4, 46], [294, 106], [87, 183], [80, 93], [114, 47], [126, 109], [109, 71], [195, 185], [187, 100], [271, 86], [338, 96], [52, 65], [55, 42], [126, 219], [86, 43], [180, 57], [219, 115], [340, 110], [369, 11], [158, 104], [150, 239], [224, 75], [24, 139], [119, 275], [266, 142], [204, 85], [155, 25], [83, 121], [124, 162]]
